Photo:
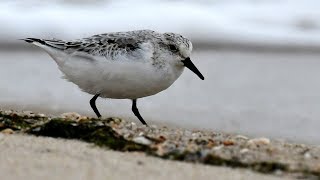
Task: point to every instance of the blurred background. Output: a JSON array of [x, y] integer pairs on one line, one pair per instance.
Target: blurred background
[[260, 58]]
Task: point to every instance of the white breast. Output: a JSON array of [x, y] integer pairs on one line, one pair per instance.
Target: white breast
[[118, 79]]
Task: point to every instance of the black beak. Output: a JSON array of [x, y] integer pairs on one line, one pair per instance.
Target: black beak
[[188, 63]]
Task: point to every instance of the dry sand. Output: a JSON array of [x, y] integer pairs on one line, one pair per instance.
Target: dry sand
[[30, 157]]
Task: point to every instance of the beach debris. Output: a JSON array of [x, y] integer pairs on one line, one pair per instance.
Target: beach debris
[[241, 137], [244, 150], [259, 154], [141, 140], [258, 141], [7, 131], [73, 116], [228, 143]]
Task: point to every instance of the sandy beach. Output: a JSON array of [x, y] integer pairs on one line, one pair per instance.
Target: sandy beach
[[41, 158], [79, 147]]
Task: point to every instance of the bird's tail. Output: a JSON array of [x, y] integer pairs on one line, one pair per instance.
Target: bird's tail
[[54, 43], [33, 40]]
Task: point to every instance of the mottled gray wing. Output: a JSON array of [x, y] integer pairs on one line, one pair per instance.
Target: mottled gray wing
[[108, 45]]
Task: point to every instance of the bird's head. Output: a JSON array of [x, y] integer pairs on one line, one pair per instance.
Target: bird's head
[[180, 48]]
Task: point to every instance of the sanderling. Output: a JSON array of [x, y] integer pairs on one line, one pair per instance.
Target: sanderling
[[121, 65]]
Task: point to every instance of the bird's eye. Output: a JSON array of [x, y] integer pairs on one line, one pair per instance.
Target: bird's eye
[[173, 48]]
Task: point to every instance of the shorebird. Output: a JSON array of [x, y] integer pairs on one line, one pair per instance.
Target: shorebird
[[121, 65]]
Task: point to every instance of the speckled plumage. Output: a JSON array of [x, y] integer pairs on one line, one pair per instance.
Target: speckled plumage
[[110, 45]]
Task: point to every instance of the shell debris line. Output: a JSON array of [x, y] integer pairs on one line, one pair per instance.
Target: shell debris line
[[259, 154]]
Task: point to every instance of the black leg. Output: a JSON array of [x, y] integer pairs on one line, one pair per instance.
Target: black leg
[[93, 105], [136, 111]]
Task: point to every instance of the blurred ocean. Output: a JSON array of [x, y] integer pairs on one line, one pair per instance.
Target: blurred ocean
[[261, 60], [257, 22]]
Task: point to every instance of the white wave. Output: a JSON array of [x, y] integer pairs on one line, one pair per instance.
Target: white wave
[[246, 21]]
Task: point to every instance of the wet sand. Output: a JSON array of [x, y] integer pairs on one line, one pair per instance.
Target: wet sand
[[41, 158]]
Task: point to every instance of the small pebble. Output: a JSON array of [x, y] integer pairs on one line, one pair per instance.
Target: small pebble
[[217, 148], [307, 155], [162, 138], [7, 131], [241, 137], [134, 126], [71, 115], [74, 124], [131, 126], [116, 120], [228, 143], [245, 150], [28, 113], [278, 172], [259, 141], [195, 135], [40, 115], [99, 123], [210, 143], [141, 133], [37, 129], [142, 140], [126, 135]]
